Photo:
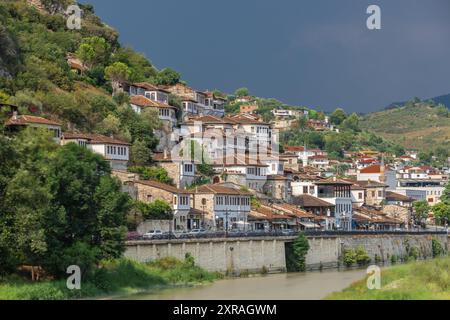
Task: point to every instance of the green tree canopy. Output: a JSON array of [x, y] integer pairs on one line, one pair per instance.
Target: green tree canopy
[[338, 116]]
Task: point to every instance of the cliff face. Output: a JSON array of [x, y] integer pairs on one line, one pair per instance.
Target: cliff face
[[50, 6]]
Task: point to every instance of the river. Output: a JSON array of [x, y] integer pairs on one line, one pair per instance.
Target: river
[[287, 286]]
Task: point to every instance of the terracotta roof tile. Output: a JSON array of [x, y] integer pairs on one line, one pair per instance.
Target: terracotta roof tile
[[27, 119]]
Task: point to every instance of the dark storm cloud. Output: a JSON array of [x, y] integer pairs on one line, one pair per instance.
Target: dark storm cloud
[[317, 53]]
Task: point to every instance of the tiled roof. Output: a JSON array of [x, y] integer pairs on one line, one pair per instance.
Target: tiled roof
[[163, 186], [149, 87], [371, 184], [376, 168], [208, 119], [392, 196], [292, 210], [240, 119], [142, 101], [94, 138], [219, 189], [26, 119], [308, 201], [334, 181]]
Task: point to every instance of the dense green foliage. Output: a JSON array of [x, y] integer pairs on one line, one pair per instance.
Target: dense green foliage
[[117, 277], [35, 74], [59, 206], [152, 173], [157, 210], [296, 254], [358, 256], [425, 280]]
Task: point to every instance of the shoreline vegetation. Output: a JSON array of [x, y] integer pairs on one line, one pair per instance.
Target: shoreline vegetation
[[421, 280], [113, 278]]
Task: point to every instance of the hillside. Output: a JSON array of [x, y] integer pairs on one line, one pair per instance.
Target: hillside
[[418, 125]]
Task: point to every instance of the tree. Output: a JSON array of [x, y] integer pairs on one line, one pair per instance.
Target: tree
[[140, 154], [421, 211], [157, 210], [300, 249], [241, 92], [117, 73], [112, 207], [93, 50], [338, 116], [152, 173], [445, 197], [168, 77], [110, 125], [58, 200], [351, 123], [441, 212]]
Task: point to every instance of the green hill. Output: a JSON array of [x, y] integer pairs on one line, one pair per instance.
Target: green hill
[[35, 75], [417, 125]]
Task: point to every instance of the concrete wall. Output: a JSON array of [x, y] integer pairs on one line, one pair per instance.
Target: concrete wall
[[325, 252], [231, 256], [254, 255]]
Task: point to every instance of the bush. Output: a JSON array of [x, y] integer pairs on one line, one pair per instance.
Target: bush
[[394, 259], [349, 257], [437, 248], [361, 256]]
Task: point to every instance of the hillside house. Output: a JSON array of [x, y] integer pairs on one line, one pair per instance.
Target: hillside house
[[19, 122], [184, 218], [225, 208], [115, 151]]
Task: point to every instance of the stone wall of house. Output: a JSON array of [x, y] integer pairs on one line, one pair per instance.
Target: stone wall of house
[[257, 254], [146, 226], [398, 212], [145, 191]]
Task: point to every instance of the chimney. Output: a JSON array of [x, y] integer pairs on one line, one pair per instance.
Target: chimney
[[165, 154], [14, 115]]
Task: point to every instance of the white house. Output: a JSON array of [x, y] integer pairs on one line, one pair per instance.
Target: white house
[[166, 113], [225, 208], [18, 122], [116, 152]]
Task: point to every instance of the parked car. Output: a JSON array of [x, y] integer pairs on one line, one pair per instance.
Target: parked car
[[288, 232], [152, 234], [197, 233], [133, 236]]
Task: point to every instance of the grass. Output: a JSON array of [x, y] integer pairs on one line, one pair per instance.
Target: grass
[[114, 277], [424, 280], [418, 126]]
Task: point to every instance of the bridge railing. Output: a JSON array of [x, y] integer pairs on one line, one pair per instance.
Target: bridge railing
[[310, 233]]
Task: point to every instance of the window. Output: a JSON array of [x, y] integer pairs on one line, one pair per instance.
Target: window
[[373, 194], [380, 194], [149, 198], [311, 190], [360, 196], [305, 189]]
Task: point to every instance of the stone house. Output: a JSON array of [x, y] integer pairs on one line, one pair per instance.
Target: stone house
[[223, 207], [182, 172], [180, 200]]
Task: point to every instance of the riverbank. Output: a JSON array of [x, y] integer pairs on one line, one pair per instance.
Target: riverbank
[[423, 280], [117, 277]]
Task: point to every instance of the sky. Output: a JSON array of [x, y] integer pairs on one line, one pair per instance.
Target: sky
[[315, 53]]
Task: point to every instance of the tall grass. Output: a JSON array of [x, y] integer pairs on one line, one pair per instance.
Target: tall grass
[[117, 276], [424, 280]]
